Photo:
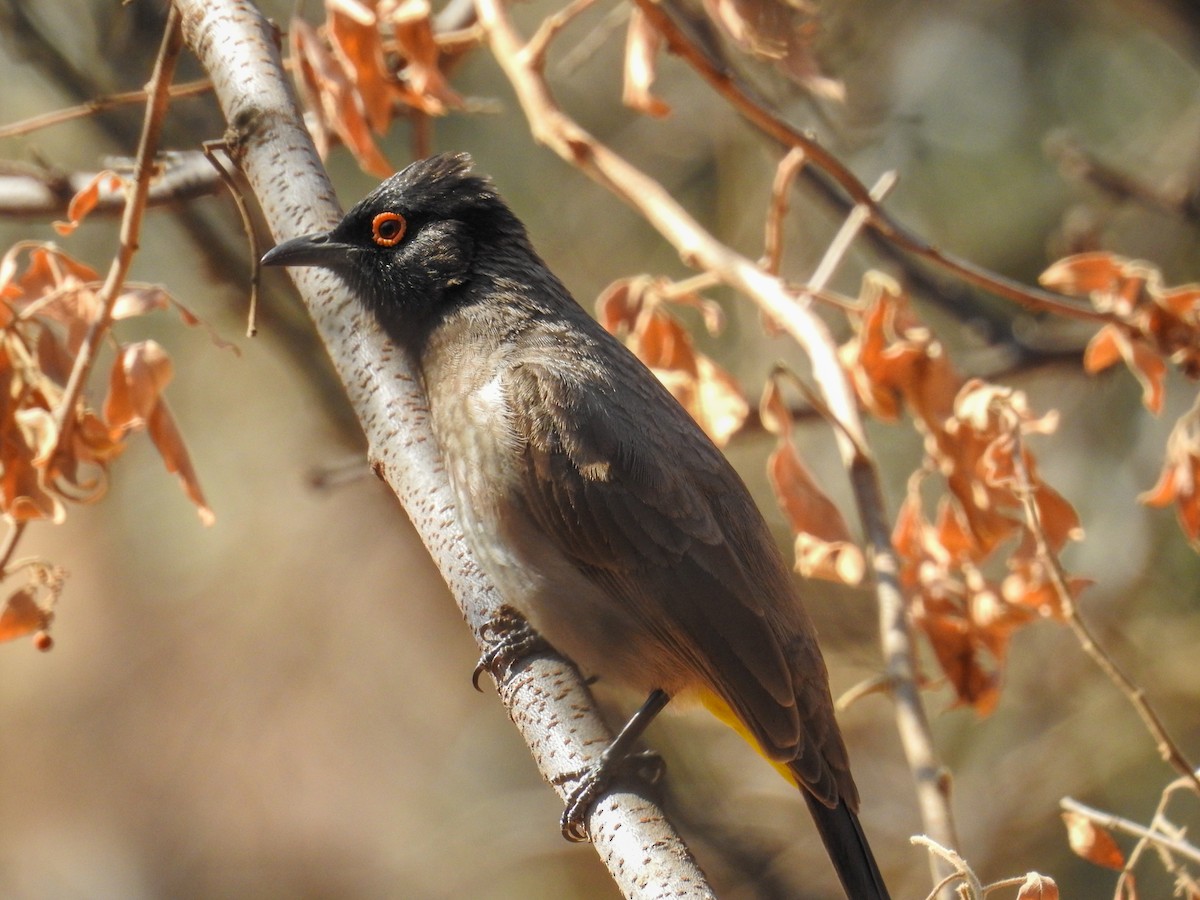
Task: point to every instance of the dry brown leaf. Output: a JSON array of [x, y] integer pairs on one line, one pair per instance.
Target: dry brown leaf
[[355, 39], [1110, 344], [966, 618], [893, 358], [411, 22], [22, 615], [1181, 475], [1037, 887], [139, 375], [58, 289], [975, 440], [957, 651], [169, 442], [1156, 323], [49, 269], [135, 400], [807, 507], [642, 44], [773, 410], [86, 198], [823, 545], [721, 407], [634, 307], [333, 101], [661, 342], [619, 305], [1029, 585], [1092, 842], [138, 301], [41, 467], [1085, 273], [839, 561]]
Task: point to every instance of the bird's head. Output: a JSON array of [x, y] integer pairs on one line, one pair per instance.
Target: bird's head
[[411, 242]]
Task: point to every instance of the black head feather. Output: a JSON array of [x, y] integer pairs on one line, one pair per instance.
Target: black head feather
[[450, 218]]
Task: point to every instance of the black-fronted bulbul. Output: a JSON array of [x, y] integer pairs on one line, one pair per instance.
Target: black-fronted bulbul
[[600, 509]]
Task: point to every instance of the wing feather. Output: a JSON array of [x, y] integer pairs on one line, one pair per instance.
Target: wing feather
[[645, 510]]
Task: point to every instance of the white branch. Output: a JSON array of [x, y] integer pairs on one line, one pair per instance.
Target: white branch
[[547, 700]]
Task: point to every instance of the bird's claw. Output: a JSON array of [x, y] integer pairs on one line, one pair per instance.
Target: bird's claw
[[645, 765], [512, 639]]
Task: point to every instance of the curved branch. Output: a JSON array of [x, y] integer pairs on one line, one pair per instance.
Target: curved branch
[[878, 219], [28, 192], [545, 696]]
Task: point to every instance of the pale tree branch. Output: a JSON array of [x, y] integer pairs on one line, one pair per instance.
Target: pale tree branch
[[551, 126], [544, 695], [32, 192]]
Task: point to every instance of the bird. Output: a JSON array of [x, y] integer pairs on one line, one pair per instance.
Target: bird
[[602, 512]]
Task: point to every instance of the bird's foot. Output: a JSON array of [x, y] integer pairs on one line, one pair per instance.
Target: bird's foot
[[644, 765], [511, 639]]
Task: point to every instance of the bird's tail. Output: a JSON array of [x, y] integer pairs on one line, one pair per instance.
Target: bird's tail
[[848, 848], [840, 831]]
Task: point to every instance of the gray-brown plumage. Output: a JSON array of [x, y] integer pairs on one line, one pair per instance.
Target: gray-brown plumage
[[600, 509]]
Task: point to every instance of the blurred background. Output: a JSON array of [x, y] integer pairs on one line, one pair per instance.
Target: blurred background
[[280, 705]]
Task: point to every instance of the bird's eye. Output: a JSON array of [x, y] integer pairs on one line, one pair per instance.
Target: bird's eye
[[388, 228]]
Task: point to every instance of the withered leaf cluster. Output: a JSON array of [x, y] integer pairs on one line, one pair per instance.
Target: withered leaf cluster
[[1154, 325], [369, 61], [55, 446], [635, 308], [975, 568]]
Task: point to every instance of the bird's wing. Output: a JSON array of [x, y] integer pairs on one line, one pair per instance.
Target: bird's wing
[[645, 508]]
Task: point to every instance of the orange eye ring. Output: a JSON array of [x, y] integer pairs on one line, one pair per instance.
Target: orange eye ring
[[387, 229]]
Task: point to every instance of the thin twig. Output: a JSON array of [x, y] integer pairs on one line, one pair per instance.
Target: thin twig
[[1168, 749], [159, 98], [210, 148], [1125, 826], [592, 41], [693, 285], [1158, 822], [781, 189], [840, 245], [876, 684], [958, 865], [98, 105], [536, 47]]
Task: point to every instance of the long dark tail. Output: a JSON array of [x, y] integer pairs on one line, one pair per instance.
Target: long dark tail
[[848, 848]]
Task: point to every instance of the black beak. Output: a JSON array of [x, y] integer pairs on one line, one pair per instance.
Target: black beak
[[310, 250]]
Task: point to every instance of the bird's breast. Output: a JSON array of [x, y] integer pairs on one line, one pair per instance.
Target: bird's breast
[[485, 459]]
